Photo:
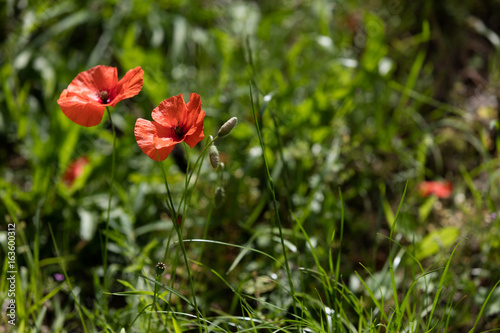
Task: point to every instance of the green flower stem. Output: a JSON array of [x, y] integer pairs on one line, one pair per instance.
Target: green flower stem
[[155, 305], [205, 229], [155, 296], [105, 252], [181, 241], [173, 212], [168, 245], [175, 216], [210, 211], [202, 154]]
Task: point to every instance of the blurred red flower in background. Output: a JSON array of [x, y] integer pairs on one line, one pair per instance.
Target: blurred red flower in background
[[174, 122], [74, 170], [441, 189], [91, 91]]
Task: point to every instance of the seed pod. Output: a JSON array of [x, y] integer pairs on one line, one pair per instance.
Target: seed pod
[[220, 195], [213, 155], [227, 127], [159, 268]]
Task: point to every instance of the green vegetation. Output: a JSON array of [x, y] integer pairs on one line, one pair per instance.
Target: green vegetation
[[315, 223]]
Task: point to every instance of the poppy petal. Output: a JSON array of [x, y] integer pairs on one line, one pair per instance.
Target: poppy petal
[[103, 77], [88, 84], [194, 108], [174, 122], [195, 133], [146, 134], [441, 189], [194, 102], [196, 137], [82, 101], [80, 110], [129, 86], [170, 112], [83, 85]]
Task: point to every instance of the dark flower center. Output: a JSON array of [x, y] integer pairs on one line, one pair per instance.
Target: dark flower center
[[104, 96], [179, 132]]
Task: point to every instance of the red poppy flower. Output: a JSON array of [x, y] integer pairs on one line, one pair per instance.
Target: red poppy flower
[[174, 122], [74, 170], [91, 91], [441, 189]]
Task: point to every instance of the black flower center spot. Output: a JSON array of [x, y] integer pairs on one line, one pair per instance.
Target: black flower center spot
[[104, 96], [179, 132]]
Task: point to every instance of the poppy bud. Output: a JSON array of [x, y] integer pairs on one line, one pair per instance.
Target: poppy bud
[[227, 127], [213, 154], [220, 195], [159, 268]]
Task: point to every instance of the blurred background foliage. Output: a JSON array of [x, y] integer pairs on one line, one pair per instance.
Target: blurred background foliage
[[361, 96]]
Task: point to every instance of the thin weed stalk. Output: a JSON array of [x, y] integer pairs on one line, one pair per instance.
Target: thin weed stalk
[[77, 304], [337, 265], [440, 287], [276, 210], [484, 306], [391, 266]]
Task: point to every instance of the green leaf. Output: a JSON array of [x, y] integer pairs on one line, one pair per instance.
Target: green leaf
[[375, 48], [425, 209], [177, 328], [435, 241]]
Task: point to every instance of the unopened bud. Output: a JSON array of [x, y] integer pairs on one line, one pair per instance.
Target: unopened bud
[[159, 268], [227, 127], [220, 195], [213, 154]]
